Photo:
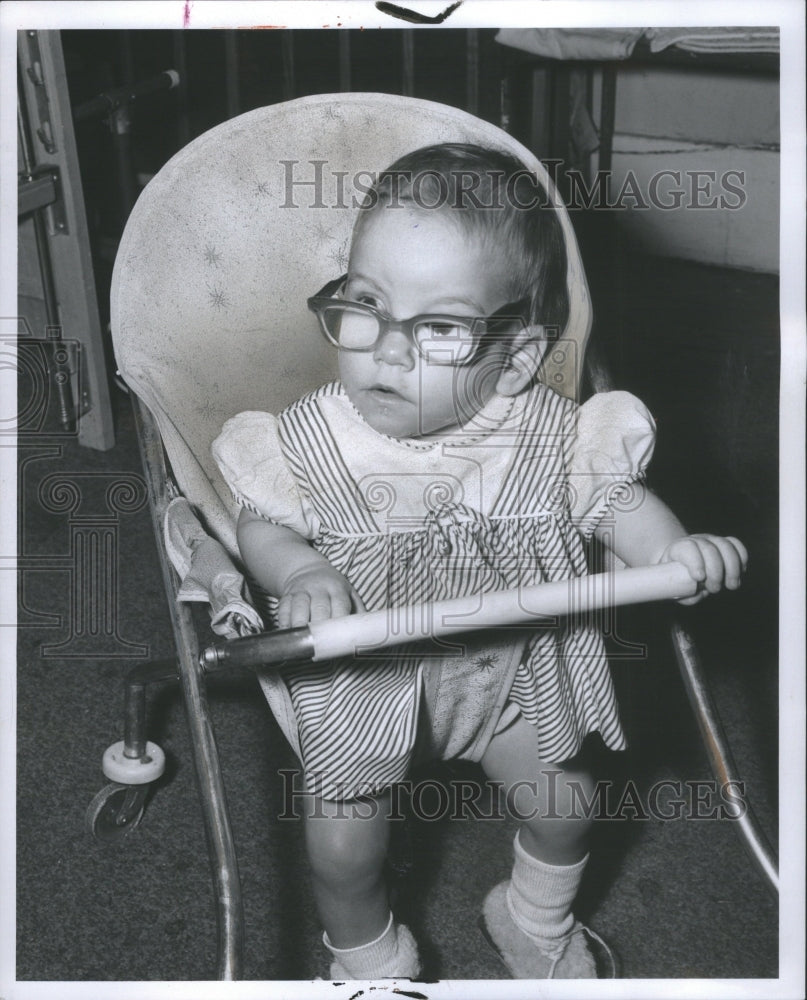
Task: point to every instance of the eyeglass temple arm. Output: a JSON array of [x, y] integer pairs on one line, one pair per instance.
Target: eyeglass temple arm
[[332, 286]]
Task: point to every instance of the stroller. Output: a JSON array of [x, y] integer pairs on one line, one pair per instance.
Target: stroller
[[208, 298]]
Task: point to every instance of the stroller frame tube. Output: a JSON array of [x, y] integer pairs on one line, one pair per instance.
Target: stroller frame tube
[[223, 860], [719, 754]]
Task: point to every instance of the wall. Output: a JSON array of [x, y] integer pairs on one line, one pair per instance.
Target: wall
[[725, 125]]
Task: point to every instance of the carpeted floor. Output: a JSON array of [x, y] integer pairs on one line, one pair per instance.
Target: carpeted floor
[[678, 897]]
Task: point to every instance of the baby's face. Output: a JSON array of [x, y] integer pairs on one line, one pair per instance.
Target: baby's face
[[407, 262]]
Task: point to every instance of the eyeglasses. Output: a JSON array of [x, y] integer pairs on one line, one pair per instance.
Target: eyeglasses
[[439, 339]]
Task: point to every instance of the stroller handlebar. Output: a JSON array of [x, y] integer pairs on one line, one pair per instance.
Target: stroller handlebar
[[368, 632]]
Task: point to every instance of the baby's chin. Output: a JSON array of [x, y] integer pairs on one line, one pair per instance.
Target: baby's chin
[[395, 418]]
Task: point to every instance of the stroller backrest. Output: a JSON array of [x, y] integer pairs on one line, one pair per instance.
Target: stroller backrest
[[225, 244]]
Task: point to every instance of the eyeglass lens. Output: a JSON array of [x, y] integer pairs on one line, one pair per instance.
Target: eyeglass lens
[[438, 342]]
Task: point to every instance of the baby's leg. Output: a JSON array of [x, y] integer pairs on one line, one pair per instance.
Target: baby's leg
[[347, 846], [529, 918], [554, 827]]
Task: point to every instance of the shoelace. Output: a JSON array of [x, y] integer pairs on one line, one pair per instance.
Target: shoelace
[[557, 952]]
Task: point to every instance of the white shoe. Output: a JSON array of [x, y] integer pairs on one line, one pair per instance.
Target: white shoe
[[580, 954]]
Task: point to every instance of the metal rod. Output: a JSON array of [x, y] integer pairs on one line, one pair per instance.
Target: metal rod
[[109, 100], [472, 71], [127, 58], [560, 131], [408, 63], [181, 63], [134, 724], [293, 645], [120, 127], [231, 69], [538, 606], [505, 108], [589, 87], [287, 62], [344, 61], [213, 800], [223, 860], [719, 755], [607, 115], [120, 123]]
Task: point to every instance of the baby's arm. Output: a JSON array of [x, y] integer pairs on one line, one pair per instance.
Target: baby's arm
[[650, 533], [308, 588]]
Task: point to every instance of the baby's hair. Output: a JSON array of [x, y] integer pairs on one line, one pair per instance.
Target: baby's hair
[[495, 197]]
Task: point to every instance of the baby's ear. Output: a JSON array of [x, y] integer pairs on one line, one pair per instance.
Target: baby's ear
[[520, 368]]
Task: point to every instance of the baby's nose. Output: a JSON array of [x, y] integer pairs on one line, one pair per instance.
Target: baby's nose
[[395, 348]]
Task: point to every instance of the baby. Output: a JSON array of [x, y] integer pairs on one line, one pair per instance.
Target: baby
[[439, 465]]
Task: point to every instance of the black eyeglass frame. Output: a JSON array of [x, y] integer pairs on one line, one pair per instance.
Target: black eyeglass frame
[[510, 314]]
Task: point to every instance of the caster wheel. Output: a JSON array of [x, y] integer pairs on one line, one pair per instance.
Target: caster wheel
[[115, 811]]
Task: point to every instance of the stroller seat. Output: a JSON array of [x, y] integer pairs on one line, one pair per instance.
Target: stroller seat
[[226, 243]]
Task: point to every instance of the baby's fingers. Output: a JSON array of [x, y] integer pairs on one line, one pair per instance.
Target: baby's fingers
[[335, 602], [294, 610], [330, 604], [340, 603], [735, 559], [322, 607], [689, 554], [713, 562], [722, 562]]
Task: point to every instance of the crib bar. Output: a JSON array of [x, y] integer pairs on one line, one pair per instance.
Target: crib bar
[[126, 59], [408, 63], [344, 61], [505, 104], [717, 750], [607, 115], [287, 63], [472, 71], [181, 63], [231, 73]]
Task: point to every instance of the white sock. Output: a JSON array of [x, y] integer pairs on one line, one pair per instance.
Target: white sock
[[540, 896], [393, 953]]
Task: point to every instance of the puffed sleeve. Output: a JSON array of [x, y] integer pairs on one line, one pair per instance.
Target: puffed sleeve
[[250, 457], [610, 448]]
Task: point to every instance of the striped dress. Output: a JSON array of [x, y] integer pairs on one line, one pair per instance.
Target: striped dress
[[506, 500]]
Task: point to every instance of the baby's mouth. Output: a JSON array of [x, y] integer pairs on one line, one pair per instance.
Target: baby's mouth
[[385, 390]]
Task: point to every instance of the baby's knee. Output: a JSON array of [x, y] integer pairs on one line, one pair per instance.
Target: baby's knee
[[554, 821], [550, 792], [346, 852]]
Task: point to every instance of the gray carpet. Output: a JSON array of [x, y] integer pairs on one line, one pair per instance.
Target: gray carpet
[[676, 898]]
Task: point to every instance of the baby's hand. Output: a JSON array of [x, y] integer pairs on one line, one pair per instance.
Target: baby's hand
[[713, 561], [314, 595]]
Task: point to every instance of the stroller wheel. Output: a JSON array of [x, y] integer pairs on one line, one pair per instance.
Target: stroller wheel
[[115, 811]]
